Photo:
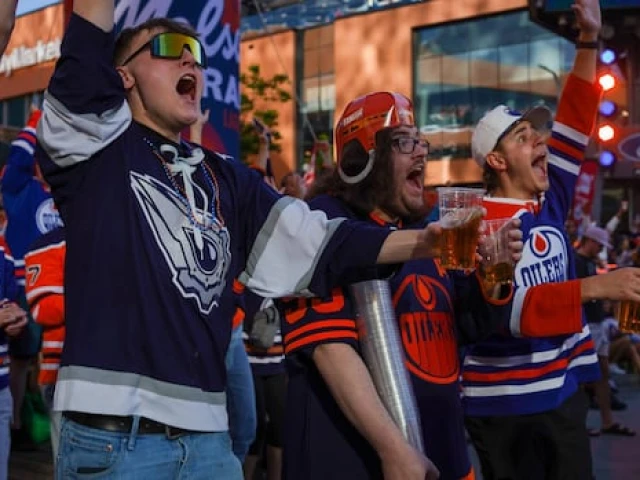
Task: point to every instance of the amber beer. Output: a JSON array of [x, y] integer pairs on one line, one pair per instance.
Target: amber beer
[[460, 239], [500, 273], [629, 316]]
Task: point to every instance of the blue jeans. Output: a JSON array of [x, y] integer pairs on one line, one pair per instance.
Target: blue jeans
[[90, 453], [241, 401], [6, 411]]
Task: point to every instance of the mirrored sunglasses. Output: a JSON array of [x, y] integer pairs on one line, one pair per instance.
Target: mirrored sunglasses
[[170, 45]]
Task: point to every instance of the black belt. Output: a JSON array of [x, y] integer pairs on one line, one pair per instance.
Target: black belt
[[113, 423]]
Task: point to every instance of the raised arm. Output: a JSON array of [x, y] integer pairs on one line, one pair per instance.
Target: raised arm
[[589, 23], [98, 12], [84, 108], [576, 115], [19, 170], [7, 20]]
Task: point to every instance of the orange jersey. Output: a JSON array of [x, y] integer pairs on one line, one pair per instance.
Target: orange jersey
[[44, 285]]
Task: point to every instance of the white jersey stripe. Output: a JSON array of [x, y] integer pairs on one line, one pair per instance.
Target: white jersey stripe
[[535, 357], [288, 219], [565, 165], [69, 138], [571, 133], [266, 360], [533, 387]]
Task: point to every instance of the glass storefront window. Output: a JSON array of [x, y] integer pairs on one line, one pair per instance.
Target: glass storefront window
[[16, 112], [317, 87], [462, 70]]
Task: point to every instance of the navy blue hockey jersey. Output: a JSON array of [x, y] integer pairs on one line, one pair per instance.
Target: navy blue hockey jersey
[[149, 271]]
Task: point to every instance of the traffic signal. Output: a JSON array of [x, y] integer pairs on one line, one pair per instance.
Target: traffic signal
[[612, 80]]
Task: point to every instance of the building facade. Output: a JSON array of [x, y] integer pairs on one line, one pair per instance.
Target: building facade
[[455, 63], [454, 59], [28, 62]]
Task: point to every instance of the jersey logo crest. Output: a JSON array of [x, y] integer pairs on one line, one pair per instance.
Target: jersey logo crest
[[544, 258], [540, 244], [47, 216], [427, 330], [197, 273]]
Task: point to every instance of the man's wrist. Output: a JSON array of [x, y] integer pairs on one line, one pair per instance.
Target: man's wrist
[[587, 37]]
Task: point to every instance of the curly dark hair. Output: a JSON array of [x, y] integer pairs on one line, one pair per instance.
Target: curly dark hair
[[376, 189]]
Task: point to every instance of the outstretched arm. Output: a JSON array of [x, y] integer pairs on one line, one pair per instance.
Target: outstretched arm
[[98, 12], [533, 315], [7, 20]]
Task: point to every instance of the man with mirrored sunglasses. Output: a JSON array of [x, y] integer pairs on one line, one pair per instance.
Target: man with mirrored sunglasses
[[157, 229]]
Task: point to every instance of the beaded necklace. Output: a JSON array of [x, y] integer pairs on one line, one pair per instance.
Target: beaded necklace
[[212, 181]]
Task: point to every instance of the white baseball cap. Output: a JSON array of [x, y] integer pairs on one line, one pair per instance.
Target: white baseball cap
[[598, 234], [495, 123]]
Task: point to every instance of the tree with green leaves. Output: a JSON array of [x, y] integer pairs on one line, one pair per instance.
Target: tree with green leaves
[[263, 92]]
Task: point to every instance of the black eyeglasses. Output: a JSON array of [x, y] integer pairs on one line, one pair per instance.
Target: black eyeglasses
[[408, 144]]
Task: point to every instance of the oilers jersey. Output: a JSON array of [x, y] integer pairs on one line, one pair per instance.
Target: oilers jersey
[[511, 375], [44, 286]]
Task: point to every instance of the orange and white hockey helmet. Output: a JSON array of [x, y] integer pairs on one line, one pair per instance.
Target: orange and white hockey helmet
[[363, 118]]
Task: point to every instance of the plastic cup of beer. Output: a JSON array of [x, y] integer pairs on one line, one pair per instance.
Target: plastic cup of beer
[[460, 216], [497, 260], [628, 315]]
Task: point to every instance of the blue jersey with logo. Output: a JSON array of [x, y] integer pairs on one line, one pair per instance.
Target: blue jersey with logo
[[29, 206], [509, 374], [430, 307], [156, 233]]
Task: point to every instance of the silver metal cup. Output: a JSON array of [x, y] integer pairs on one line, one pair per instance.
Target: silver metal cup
[[383, 354]]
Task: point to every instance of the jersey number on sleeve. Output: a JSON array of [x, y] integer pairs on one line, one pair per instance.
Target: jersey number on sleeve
[[295, 309], [33, 272]]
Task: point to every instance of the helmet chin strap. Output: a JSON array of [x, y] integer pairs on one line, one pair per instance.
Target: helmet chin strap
[[362, 175]]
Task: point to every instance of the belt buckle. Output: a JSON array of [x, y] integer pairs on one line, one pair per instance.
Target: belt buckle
[[173, 433]]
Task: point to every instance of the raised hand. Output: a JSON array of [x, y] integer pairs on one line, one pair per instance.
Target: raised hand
[[588, 17], [431, 240]]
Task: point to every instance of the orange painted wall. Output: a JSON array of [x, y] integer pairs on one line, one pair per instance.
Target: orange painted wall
[[276, 55], [374, 52], [44, 25]]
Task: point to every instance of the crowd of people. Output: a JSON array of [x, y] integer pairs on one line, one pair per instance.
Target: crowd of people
[[200, 323]]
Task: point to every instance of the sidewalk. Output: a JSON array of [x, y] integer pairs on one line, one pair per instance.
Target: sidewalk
[[614, 458], [618, 458]]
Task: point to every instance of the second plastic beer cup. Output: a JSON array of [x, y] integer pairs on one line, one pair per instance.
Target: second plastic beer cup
[[628, 314], [498, 262], [460, 217]]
